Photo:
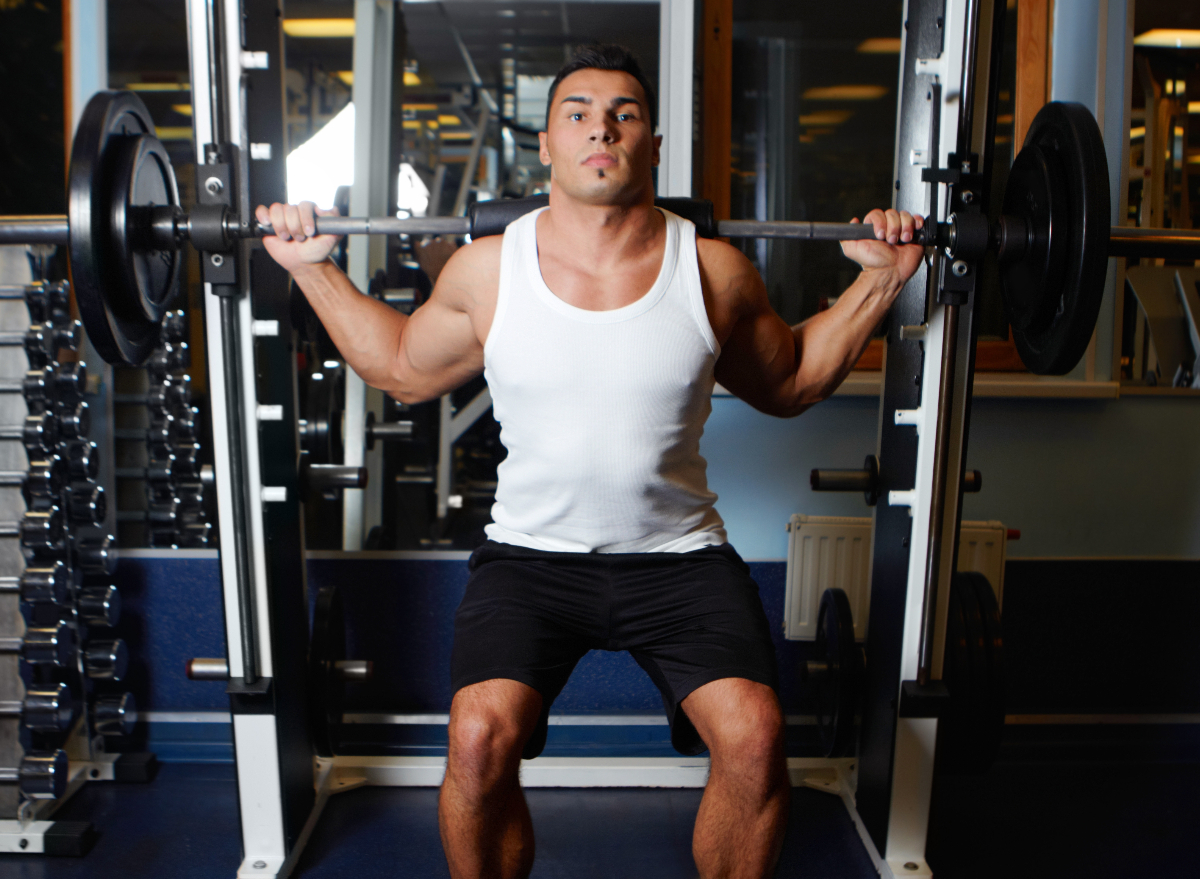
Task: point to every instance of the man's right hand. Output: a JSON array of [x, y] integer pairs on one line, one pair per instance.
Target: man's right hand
[[295, 243]]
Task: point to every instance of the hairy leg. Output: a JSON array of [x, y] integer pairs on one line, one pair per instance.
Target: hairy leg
[[739, 829], [484, 821]]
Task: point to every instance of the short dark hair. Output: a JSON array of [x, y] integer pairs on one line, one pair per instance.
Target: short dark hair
[[606, 56]]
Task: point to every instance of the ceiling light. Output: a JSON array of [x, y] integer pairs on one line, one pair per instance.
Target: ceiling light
[[506, 13], [411, 78], [318, 27], [420, 108], [1194, 106], [331, 364], [159, 86], [1136, 133], [457, 135], [825, 117], [1171, 39], [346, 76], [845, 93], [447, 119], [880, 46], [173, 132], [182, 109]]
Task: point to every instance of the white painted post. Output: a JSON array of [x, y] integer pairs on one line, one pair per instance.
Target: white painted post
[[676, 68], [373, 22]]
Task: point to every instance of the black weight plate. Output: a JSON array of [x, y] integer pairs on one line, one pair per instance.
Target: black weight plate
[[956, 675], [837, 693], [114, 322], [1059, 186], [143, 179], [326, 686], [991, 707]]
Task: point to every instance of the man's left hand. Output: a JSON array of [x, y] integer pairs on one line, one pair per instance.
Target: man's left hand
[[892, 250]]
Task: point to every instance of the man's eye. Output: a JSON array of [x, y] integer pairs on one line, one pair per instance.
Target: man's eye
[[624, 117], [575, 116]]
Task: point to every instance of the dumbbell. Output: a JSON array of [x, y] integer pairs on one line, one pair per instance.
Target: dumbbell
[[49, 385], [47, 301], [82, 460], [158, 513], [42, 342], [165, 427], [94, 555], [46, 584], [38, 530], [53, 646], [167, 358], [173, 392], [174, 325], [38, 433], [42, 710], [106, 659], [114, 715], [40, 776], [99, 605]]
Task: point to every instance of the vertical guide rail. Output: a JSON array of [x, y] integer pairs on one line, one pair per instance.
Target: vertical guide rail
[[236, 457]]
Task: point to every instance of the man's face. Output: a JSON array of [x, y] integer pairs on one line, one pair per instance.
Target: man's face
[[598, 142]]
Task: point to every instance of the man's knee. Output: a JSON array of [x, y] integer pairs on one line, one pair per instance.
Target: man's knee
[[489, 724], [740, 722]]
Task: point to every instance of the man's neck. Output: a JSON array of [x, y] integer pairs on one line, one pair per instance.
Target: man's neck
[[601, 233]]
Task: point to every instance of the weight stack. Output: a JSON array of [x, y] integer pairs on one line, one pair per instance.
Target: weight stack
[[161, 481], [57, 594]]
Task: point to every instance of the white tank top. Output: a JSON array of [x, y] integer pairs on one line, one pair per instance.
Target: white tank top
[[602, 411]]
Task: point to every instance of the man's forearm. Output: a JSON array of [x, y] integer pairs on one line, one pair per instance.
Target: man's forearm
[[365, 331], [830, 343]]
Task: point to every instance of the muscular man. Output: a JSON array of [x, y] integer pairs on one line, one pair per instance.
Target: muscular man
[[601, 324]]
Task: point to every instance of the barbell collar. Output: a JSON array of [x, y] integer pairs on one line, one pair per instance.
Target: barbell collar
[[324, 477], [41, 229]]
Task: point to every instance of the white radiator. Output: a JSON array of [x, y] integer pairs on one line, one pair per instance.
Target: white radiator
[[826, 552]]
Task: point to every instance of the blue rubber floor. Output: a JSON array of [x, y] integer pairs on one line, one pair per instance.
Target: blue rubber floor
[[184, 826]]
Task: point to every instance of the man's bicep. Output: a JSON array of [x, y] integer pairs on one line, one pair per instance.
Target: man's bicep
[[758, 361]]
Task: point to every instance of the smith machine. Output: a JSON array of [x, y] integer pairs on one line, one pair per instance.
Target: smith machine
[[931, 683]]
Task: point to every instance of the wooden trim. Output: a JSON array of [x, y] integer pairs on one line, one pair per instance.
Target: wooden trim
[[872, 358], [1035, 23], [717, 104]]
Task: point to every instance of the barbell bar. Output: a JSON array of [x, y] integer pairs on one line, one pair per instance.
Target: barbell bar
[[1052, 237]]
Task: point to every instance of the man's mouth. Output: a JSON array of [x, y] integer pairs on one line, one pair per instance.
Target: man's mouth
[[601, 160]]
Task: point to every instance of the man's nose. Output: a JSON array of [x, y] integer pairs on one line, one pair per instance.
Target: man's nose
[[604, 131]]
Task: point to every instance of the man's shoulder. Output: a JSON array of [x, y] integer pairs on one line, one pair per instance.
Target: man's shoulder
[[724, 270]]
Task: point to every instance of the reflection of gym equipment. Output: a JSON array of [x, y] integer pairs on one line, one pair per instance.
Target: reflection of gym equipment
[[1166, 331]]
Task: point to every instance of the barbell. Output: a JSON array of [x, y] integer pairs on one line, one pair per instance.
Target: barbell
[[125, 228]]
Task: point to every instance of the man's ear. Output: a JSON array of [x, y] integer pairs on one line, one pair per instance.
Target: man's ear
[[654, 159], [543, 149]]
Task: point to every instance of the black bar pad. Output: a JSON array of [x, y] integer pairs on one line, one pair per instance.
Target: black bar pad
[[69, 839], [493, 217], [138, 767]]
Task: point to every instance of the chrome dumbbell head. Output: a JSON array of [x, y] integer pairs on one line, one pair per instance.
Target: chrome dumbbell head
[[73, 422], [40, 776], [48, 301], [106, 659], [82, 460], [53, 646], [49, 583], [114, 715], [48, 710], [86, 503], [95, 556], [99, 605]]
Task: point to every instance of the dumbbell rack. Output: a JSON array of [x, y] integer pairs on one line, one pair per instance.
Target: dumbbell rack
[[158, 431], [60, 664]]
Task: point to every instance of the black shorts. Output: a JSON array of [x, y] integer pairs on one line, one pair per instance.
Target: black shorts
[[686, 618]]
